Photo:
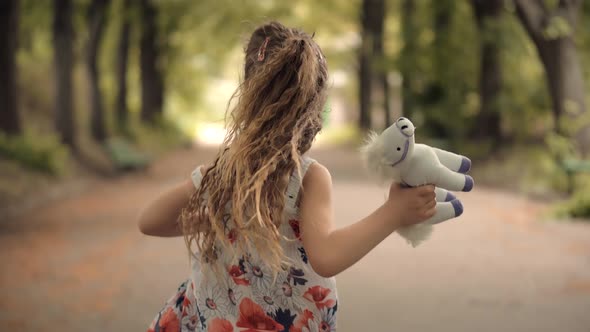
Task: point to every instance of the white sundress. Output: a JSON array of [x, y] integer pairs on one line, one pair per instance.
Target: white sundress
[[246, 298]]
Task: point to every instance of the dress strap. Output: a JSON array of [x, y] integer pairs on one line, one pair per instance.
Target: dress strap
[[197, 176], [295, 183]]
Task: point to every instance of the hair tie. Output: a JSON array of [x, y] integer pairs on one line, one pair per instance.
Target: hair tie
[[262, 49]]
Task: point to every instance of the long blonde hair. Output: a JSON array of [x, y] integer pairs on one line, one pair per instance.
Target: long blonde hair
[[275, 120]]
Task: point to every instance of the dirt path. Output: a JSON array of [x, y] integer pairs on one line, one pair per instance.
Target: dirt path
[[81, 264]]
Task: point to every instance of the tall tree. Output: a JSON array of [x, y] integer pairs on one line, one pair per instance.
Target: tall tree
[[372, 17], [379, 56], [152, 84], [551, 31], [121, 63], [9, 118], [409, 37], [63, 57], [438, 90], [487, 15], [96, 24]]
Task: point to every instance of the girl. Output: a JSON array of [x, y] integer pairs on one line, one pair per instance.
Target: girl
[[267, 250]]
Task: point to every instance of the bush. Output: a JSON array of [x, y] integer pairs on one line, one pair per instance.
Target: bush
[[159, 137], [45, 154], [578, 206]]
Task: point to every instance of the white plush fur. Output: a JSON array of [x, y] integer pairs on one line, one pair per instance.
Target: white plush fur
[[421, 164]]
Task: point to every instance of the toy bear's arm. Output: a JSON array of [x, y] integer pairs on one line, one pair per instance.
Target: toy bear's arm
[[452, 161]]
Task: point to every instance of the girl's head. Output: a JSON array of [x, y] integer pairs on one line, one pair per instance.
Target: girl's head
[[274, 121]]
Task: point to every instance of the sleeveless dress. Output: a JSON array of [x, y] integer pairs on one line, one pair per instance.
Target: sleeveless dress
[[245, 297]]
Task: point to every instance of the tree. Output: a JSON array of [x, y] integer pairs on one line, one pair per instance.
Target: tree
[[121, 74], [63, 57], [152, 85], [409, 36], [487, 15], [551, 31], [438, 95], [9, 118], [372, 18], [379, 56], [96, 23]]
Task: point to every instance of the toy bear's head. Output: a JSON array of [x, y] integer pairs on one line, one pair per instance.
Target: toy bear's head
[[384, 153]]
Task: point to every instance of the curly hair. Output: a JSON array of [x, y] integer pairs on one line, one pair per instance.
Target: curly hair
[[276, 117]]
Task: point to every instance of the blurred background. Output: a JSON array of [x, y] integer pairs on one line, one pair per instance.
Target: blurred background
[[106, 103]]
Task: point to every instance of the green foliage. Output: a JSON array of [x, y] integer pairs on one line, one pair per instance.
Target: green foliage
[[557, 27], [529, 169], [159, 137], [560, 146], [578, 206], [39, 153], [124, 156]]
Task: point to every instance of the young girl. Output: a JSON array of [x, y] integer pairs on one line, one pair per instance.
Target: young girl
[[260, 215]]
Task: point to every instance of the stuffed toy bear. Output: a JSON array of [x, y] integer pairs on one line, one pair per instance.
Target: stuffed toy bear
[[394, 155]]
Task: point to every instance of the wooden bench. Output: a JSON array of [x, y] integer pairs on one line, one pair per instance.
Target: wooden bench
[[125, 157], [573, 167]]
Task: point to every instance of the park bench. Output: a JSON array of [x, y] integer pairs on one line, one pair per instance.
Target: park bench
[[573, 167], [125, 157]]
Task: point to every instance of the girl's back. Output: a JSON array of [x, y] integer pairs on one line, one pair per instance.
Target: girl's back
[[247, 294]]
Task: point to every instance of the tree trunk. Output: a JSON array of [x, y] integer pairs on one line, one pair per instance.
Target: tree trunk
[[560, 60], [152, 86], [371, 57], [437, 95], [386, 99], [9, 118], [122, 60], [63, 36], [409, 35], [365, 77], [379, 56], [96, 23], [490, 76]]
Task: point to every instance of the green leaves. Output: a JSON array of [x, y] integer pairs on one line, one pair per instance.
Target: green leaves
[[557, 27]]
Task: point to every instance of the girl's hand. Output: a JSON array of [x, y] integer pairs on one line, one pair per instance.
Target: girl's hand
[[411, 205]]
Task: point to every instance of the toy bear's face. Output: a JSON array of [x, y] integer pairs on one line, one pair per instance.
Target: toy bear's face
[[397, 141]]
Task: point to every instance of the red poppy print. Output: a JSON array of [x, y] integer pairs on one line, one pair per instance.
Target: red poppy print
[[232, 235], [169, 321], [295, 227], [237, 275], [220, 325], [301, 321], [254, 319], [186, 302], [318, 295]]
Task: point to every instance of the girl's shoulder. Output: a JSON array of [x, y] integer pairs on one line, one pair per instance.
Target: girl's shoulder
[[316, 173], [317, 181]]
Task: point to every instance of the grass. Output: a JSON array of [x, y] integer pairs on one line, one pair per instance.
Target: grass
[[40, 153]]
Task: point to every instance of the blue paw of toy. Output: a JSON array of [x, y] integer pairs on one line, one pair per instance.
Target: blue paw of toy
[[458, 207], [468, 183], [450, 197], [465, 165]]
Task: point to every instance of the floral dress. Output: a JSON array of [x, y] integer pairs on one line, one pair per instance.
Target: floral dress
[[248, 297]]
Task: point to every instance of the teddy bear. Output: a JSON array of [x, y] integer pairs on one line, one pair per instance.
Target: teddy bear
[[394, 155]]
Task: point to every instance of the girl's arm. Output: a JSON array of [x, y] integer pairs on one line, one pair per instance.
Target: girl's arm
[[160, 217], [331, 251]]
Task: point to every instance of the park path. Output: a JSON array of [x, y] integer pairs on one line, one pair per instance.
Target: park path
[[81, 264]]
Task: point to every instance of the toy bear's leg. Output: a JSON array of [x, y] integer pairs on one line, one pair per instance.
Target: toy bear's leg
[[443, 195], [452, 161], [450, 180], [446, 211]]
